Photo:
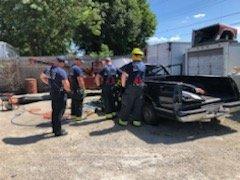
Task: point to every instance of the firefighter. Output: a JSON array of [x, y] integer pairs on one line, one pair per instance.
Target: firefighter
[[117, 92], [78, 89], [132, 80], [56, 78], [108, 76]]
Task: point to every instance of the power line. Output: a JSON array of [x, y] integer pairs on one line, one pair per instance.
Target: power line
[[187, 7], [207, 4], [193, 24], [236, 23]]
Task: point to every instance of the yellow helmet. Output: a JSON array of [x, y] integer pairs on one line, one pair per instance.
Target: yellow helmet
[[137, 51], [137, 54]]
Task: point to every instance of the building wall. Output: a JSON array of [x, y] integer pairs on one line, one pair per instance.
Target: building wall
[[168, 54], [214, 59]]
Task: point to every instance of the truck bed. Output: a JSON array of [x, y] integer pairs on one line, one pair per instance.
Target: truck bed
[[176, 96]]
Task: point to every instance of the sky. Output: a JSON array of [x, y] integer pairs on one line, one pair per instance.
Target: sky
[[177, 18]]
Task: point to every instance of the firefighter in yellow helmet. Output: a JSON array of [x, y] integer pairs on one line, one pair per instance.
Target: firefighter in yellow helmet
[[132, 98]]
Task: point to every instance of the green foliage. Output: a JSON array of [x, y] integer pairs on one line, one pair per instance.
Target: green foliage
[[103, 53], [126, 24], [44, 27], [48, 27]]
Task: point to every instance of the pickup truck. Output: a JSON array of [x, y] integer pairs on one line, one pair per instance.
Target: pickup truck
[[187, 98]]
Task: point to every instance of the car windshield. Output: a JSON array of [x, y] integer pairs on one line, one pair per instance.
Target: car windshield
[[156, 71]]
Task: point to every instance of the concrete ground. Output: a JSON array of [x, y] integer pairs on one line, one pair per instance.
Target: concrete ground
[[99, 149]]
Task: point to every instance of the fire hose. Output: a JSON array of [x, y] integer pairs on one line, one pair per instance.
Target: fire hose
[[38, 112], [45, 115]]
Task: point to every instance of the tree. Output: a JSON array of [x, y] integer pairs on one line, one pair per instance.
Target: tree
[[126, 24], [49, 27], [45, 27], [103, 53]]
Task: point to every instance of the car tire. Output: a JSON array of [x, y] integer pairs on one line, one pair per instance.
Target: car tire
[[149, 114], [215, 121]]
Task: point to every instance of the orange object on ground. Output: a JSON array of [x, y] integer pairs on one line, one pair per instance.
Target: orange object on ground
[[31, 85], [36, 111], [47, 115]]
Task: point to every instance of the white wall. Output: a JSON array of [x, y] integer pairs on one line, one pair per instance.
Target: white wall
[[121, 61], [166, 54]]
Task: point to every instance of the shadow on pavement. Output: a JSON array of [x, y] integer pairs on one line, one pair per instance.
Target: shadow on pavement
[[28, 139], [172, 132], [72, 123], [235, 117], [167, 132], [48, 124], [116, 128], [88, 122]]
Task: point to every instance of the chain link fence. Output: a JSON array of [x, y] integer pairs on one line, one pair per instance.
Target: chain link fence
[[13, 73]]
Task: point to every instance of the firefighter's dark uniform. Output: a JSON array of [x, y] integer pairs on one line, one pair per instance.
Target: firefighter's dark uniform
[[58, 96], [133, 94], [109, 74], [77, 91]]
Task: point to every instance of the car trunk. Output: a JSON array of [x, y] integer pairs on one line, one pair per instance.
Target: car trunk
[[223, 88], [218, 90]]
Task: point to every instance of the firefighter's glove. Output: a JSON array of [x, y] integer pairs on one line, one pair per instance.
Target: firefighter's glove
[[70, 94], [84, 94]]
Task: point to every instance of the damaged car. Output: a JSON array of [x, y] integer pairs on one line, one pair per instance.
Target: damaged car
[[187, 98]]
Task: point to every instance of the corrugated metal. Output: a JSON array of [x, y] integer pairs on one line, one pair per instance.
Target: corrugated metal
[[217, 59], [192, 66], [209, 62], [234, 58], [178, 51], [166, 54]]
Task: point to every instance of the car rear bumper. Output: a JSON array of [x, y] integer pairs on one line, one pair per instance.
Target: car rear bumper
[[232, 107], [194, 115], [203, 117], [206, 115]]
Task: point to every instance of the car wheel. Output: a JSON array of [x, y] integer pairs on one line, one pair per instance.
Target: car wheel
[[149, 114], [215, 121]]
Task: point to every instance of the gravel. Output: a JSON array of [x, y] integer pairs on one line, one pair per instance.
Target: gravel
[[98, 149]]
